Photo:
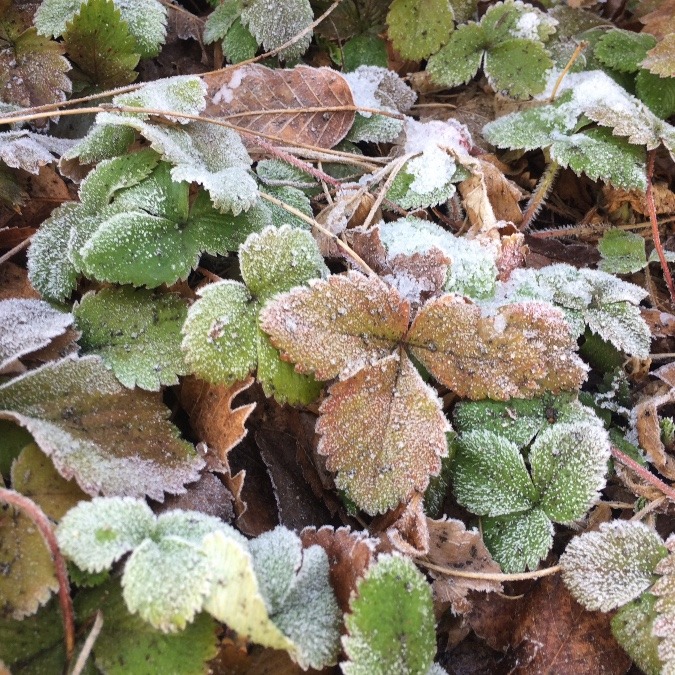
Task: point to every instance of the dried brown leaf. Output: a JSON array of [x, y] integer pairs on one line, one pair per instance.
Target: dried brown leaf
[[660, 21], [349, 556], [512, 255], [523, 350], [255, 97], [649, 432], [661, 59], [207, 495], [409, 534], [371, 428], [14, 282], [503, 194]]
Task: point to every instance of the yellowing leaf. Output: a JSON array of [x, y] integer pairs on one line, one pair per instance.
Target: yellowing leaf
[[522, 351], [372, 433], [661, 59]]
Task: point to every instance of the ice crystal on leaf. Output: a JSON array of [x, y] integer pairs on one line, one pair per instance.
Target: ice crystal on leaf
[[222, 340], [664, 590], [391, 624], [610, 567], [356, 328], [29, 151], [632, 627]]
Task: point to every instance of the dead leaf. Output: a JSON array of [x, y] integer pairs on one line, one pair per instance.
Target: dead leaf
[[255, 97], [661, 324], [409, 534], [513, 252], [649, 432], [660, 21], [14, 282], [207, 495], [502, 193]]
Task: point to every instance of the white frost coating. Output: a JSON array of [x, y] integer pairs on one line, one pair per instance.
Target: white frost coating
[[375, 87], [526, 27], [29, 151], [226, 93]]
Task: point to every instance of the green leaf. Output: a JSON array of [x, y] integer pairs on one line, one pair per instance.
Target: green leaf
[[518, 541], [610, 567], [632, 628], [622, 252], [514, 19], [290, 18], [128, 644], [391, 623], [239, 45], [489, 475], [364, 50], [221, 333], [219, 22], [28, 325], [419, 28], [460, 59], [100, 43], [96, 534], [517, 67], [569, 464], [103, 141], [657, 92], [137, 333], [112, 440], [623, 50], [295, 585]]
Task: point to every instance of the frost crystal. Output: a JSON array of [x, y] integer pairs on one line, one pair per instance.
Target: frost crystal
[[29, 151]]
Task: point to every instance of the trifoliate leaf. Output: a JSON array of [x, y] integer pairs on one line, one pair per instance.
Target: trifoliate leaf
[[29, 151], [610, 567], [101, 44], [95, 534], [34, 476], [137, 333], [146, 20], [489, 475], [632, 628], [529, 346], [460, 59], [419, 28], [28, 579], [661, 59], [290, 18], [391, 624], [239, 44], [658, 93], [622, 252], [371, 428], [128, 644], [336, 326], [221, 334], [296, 588], [623, 50], [219, 22], [28, 325], [112, 440], [569, 465], [520, 540]]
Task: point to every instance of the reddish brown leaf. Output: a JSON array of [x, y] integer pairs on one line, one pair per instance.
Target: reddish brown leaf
[[349, 556], [14, 282], [661, 21], [451, 545], [255, 97], [649, 432], [409, 534], [512, 255], [383, 431], [207, 495], [336, 326], [524, 350], [212, 416]]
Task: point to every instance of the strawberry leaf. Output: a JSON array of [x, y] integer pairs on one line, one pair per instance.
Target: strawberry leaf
[[383, 431], [29, 151], [623, 50], [622, 252], [632, 627]]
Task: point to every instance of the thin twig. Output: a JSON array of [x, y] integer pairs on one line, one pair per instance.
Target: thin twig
[[314, 109], [655, 226], [654, 504], [13, 251], [491, 576], [311, 221], [40, 520], [646, 475], [88, 644], [575, 55]]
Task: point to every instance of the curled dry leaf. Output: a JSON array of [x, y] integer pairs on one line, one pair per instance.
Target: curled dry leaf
[[451, 545], [255, 97], [409, 534], [646, 415], [349, 553]]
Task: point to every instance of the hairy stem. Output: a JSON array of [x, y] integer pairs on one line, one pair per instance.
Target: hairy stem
[[645, 474], [539, 195]]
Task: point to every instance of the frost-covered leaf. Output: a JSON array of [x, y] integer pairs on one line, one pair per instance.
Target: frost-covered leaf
[[568, 464], [383, 431], [391, 624], [32, 66], [419, 28], [239, 44], [612, 566], [28, 325], [112, 440], [219, 22], [523, 350], [489, 475], [96, 534], [137, 333], [515, 19], [460, 59], [632, 628], [336, 326], [146, 20], [29, 151], [661, 59], [295, 585], [290, 18], [623, 50], [144, 648], [664, 590], [622, 252], [102, 141], [100, 43], [518, 541]]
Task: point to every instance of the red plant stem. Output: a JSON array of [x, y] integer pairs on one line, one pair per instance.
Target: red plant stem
[[35, 513], [643, 473], [655, 226]]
